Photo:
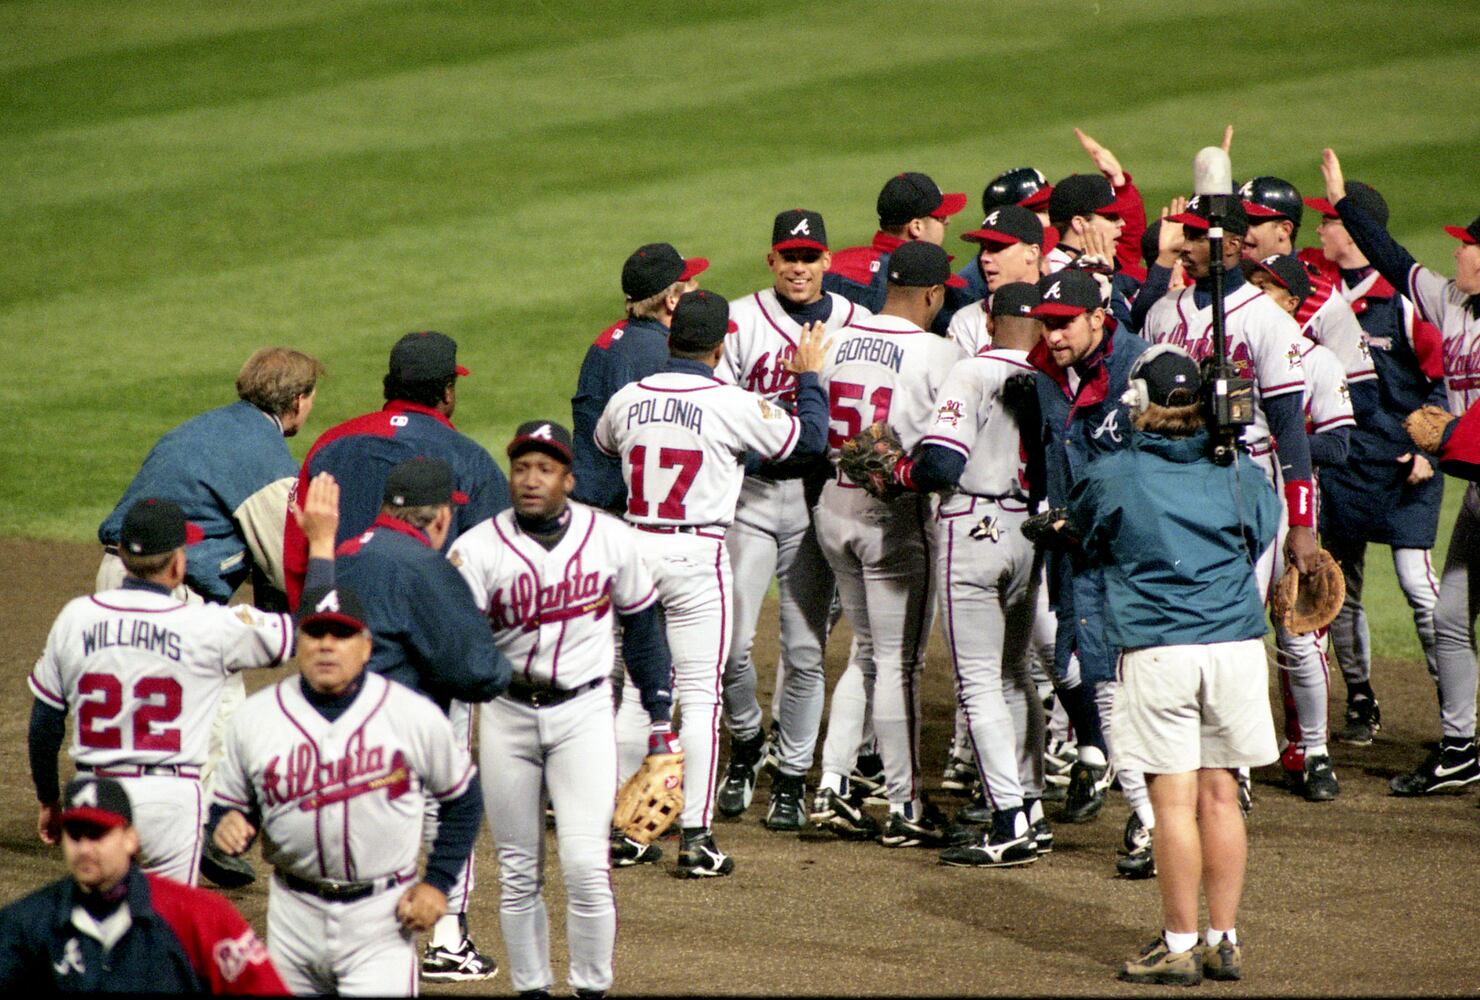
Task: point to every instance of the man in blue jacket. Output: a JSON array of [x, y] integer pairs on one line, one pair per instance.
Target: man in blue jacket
[[1177, 537]]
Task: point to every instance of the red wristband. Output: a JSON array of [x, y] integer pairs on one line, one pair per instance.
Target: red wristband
[[902, 476], [1300, 497]]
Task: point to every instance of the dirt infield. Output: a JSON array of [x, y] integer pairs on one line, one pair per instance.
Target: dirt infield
[[1367, 895]]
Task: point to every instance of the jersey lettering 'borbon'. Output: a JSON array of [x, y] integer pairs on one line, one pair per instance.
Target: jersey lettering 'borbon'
[[971, 420], [765, 339], [679, 437], [550, 610]]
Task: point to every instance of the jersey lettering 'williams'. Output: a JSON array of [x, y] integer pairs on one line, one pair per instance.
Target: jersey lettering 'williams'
[[673, 411], [874, 349], [134, 633]]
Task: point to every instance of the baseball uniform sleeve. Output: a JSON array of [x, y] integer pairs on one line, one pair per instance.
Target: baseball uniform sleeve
[[957, 410], [262, 519], [46, 676], [467, 557], [445, 767], [1336, 328], [230, 785], [1278, 357], [252, 638], [604, 435], [762, 427]]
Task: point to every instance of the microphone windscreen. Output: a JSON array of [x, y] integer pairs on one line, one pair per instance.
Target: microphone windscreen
[[1211, 172]]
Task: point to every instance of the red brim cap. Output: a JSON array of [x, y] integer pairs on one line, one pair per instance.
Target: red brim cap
[[990, 236], [1323, 206], [799, 244], [950, 204], [1050, 238], [93, 817], [1256, 211], [459, 498], [1271, 272], [1460, 233], [193, 533], [955, 281], [1058, 309], [1189, 220], [542, 443], [462, 371], [338, 617], [692, 267], [1038, 199]]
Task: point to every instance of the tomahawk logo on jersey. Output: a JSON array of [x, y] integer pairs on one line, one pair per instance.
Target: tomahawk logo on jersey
[[765, 339]]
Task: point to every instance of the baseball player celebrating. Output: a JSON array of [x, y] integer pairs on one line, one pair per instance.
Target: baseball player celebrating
[[141, 672], [1022, 186], [1011, 239], [332, 766], [550, 575], [680, 435], [772, 535], [887, 369]]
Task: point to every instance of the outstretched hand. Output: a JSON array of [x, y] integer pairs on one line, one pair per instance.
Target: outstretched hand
[[811, 350], [1331, 171], [318, 515], [1104, 160], [1170, 237]]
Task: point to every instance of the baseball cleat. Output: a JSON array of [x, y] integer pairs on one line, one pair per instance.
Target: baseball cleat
[[959, 776], [626, 852], [1007, 844], [1319, 781], [842, 816], [1058, 759], [1292, 765], [1159, 965], [1087, 787], [785, 812], [462, 964], [1363, 720], [738, 788], [977, 812], [867, 780], [1223, 963], [1038, 826], [698, 857], [1449, 768], [1136, 859], [930, 829], [224, 870]]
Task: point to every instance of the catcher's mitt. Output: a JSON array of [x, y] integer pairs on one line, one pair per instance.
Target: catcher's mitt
[[868, 458], [1040, 529], [650, 801], [1305, 602], [1426, 425]]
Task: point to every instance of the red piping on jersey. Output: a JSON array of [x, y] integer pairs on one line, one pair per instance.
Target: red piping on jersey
[[759, 304], [318, 840], [1334, 422], [574, 556], [945, 442], [529, 659], [697, 388], [875, 329], [359, 731], [995, 354], [790, 442], [458, 787], [652, 595], [135, 611], [46, 692]]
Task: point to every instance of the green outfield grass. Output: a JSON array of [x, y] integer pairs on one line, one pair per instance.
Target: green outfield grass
[[186, 182]]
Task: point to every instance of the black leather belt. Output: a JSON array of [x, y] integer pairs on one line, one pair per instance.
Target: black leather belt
[[341, 892], [542, 696]]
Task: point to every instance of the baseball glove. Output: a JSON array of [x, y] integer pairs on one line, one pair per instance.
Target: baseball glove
[[1305, 602], [868, 459], [1040, 530], [650, 801], [1426, 425]]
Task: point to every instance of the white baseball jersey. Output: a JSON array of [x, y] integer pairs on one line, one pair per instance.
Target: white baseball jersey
[[680, 435], [1264, 344], [1335, 327], [756, 354], [969, 328], [142, 672], [1445, 306], [971, 420], [1328, 401], [1059, 258], [888, 369], [550, 609], [341, 800]]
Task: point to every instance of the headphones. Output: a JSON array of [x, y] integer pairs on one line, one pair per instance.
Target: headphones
[[1137, 395]]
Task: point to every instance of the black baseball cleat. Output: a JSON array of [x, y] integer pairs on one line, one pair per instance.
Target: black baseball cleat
[[1007, 844], [626, 852], [224, 870], [1038, 824], [698, 857], [738, 788], [977, 812], [843, 816], [1136, 859], [959, 776], [867, 780], [786, 812], [1363, 720], [1319, 784], [929, 829], [462, 964], [1449, 768], [1087, 787]]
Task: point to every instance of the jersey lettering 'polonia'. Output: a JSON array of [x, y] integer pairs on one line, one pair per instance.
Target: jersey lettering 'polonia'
[[1445, 306], [886, 369], [1264, 345], [1328, 400], [549, 607], [142, 673], [971, 420], [766, 338], [343, 799], [687, 471]]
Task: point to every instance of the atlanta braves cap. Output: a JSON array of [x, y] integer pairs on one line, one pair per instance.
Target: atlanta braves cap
[[1466, 234], [1198, 216], [798, 229], [1171, 376], [1018, 298], [425, 356], [919, 264], [1067, 293], [1007, 224], [335, 606], [700, 320], [1286, 270], [1372, 203], [153, 526], [653, 267], [542, 435], [422, 482], [1082, 194], [95, 801], [913, 195]]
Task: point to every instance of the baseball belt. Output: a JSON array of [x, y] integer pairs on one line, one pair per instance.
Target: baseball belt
[[543, 696], [331, 891], [141, 770]]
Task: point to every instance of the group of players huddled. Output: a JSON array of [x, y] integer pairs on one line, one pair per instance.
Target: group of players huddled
[[621, 571]]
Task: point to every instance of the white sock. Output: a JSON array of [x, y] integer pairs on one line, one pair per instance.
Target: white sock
[[447, 932], [1148, 818], [1213, 937], [1093, 756], [1316, 751], [833, 783], [1180, 942]]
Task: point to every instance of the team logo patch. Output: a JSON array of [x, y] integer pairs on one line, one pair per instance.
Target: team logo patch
[[802, 228], [1293, 357], [1345, 393], [768, 412], [949, 412], [455, 557]]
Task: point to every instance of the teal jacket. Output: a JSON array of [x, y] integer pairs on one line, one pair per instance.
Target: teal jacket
[[1178, 536]]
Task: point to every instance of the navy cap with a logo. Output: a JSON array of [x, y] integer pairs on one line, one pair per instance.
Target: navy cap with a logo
[[798, 229], [97, 802], [1288, 272], [1198, 216], [1017, 298], [1008, 224], [912, 195], [921, 264], [153, 526], [337, 606], [1170, 374], [1067, 293], [1372, 203], [653, 267], [422, 482], [542, 435], [700, 320], [425, 356], [1082, 194]]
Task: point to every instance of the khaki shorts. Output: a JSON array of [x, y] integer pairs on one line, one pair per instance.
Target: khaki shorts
[[1181, 708]]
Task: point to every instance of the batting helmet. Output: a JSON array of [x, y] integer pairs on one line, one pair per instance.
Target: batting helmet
[[1271, 198], [1012, 187]]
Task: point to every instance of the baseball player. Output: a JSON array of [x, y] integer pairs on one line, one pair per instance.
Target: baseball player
[[550, 575], [1452, 305], [1011, 242], [680, 435], [332, 767], [772, 534], [108, 927], [421, 396], [1388, 492], [1025, 187], [1107, 204], [988, 573], [430, 636], [141, 673], [230, 471], [890, 369], [911, 207]]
